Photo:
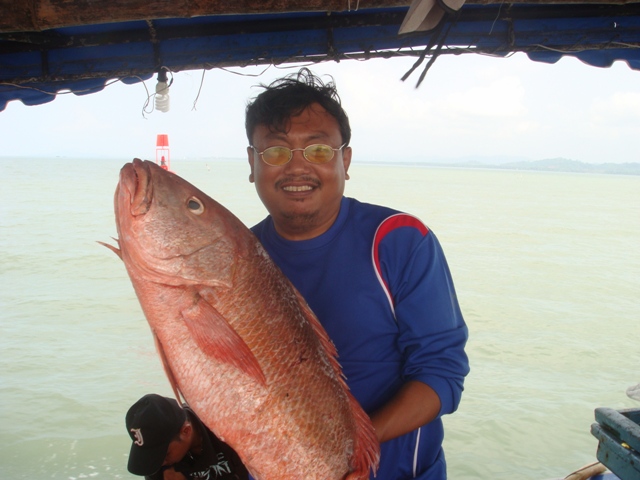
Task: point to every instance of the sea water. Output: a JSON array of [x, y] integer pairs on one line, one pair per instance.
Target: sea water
[[546, 267]]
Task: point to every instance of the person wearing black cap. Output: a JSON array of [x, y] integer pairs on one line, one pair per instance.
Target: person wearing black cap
[[170, 442]]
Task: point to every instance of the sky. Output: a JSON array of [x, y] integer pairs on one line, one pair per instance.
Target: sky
[[468, 106]]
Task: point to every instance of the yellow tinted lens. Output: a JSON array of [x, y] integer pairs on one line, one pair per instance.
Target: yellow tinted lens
[[276, 155], [318, 153]]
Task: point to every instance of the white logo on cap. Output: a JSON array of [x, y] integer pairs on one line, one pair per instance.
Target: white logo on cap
[[137, 432]]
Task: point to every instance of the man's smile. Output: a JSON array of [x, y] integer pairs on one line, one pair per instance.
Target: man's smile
[[298, 184], [293, 188]]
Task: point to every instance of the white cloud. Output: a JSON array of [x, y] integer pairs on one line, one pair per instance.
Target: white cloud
[[465, 105], [502, 97], [619, 109]]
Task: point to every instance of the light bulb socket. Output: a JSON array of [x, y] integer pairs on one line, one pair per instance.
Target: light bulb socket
[[162, 75]]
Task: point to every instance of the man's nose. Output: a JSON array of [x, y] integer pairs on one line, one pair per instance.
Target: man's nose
[[298, 161]]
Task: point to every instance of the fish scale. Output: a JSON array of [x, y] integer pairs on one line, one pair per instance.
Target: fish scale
[[237, 341]]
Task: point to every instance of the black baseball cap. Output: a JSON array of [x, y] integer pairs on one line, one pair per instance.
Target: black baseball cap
[[152, 422]]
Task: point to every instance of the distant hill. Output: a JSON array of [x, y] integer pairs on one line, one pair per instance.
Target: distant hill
[[548, 165], [565, 165]]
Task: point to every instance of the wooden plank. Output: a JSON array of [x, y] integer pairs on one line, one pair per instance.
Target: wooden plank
[[39, 15]]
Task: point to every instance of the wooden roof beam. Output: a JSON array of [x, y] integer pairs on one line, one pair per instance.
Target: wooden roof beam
[[40, 15]]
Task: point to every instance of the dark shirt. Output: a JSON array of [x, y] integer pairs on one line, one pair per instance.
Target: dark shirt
[[218, 461]]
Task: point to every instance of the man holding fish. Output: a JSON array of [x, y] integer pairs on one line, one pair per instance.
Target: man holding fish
[[377, 279], [235, 333]]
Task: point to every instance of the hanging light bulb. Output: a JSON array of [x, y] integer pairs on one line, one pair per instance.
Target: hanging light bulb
[[162, 92]]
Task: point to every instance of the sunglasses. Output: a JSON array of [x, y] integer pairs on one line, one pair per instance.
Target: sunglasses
[[278, 156]]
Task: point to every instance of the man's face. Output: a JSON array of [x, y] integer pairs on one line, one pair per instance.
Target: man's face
[[303, 198], [176, 451]]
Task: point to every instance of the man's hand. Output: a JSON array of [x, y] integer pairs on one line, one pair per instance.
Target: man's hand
[[171, 474], [415, 405]]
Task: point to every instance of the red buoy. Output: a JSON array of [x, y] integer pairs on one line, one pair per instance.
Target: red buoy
[[162, 151]]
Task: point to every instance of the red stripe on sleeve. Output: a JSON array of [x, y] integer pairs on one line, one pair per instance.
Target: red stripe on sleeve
[[388, 225]]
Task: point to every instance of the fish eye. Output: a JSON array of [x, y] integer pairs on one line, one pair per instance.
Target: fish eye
[[195, 205]]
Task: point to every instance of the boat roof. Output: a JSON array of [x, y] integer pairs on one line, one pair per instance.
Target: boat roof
[[48, 46]]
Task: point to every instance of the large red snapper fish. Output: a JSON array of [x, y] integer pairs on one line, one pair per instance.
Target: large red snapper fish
[[236, 339]]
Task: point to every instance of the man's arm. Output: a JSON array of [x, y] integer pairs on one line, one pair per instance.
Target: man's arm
[[415, 405], [432, 332]]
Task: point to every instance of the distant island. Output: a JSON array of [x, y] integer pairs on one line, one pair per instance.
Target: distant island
[[548, 165], [490, 162]]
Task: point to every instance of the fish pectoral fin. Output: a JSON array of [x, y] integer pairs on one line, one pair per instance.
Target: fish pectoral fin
[[215, 337], [167, 368]]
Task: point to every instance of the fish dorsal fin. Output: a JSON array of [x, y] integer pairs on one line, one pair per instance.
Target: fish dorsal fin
[[320, 332], [215, 337], [366, 449]]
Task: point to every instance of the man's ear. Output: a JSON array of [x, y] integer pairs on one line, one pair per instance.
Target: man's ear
[[346, 160], [186, 431], [251, 158]]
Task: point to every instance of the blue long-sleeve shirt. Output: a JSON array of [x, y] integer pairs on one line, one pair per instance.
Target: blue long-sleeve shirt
[[379, 283]]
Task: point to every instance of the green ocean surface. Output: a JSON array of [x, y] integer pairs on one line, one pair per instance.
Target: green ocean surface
[[546, 267]]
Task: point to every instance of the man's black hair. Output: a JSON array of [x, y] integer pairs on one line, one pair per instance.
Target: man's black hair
[[289, 96]]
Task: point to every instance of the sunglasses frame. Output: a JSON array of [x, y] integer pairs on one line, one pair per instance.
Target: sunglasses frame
[[303, 150]]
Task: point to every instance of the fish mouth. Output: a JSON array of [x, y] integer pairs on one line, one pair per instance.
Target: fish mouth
[[135, 178]]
